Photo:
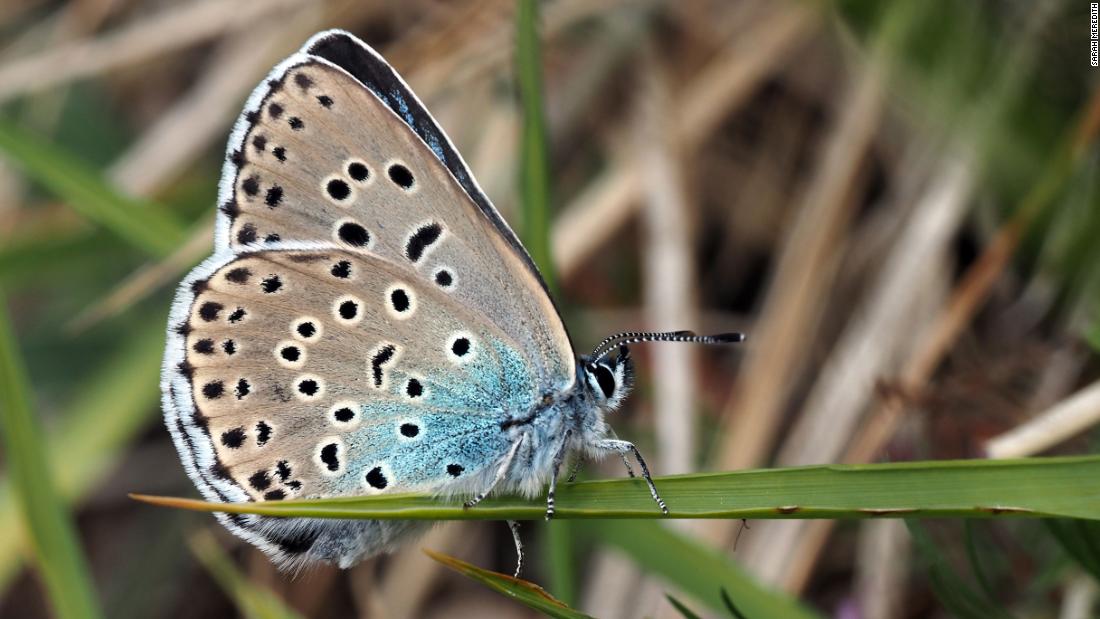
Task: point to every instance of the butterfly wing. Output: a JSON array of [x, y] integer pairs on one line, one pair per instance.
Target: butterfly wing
[[335, 147], [367, 321]]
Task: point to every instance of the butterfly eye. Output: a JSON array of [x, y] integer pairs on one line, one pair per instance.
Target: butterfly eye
[[606, 381]]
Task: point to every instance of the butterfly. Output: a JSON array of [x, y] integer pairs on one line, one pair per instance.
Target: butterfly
[[368, 323]]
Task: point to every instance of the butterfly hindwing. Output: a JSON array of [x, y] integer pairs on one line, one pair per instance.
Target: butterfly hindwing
[[330, 372]]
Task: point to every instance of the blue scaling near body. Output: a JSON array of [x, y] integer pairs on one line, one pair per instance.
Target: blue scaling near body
[[369, 323]]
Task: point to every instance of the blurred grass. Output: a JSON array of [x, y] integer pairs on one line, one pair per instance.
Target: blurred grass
[[694, 568], [142, 224], [1027, 487], [58, 554], [534, 169], [534, 192], [252, 600], [526, 593], [110, 407], [959, 597], [1080, 539]]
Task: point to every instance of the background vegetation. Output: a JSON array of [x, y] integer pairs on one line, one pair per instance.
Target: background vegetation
[[899, 202]]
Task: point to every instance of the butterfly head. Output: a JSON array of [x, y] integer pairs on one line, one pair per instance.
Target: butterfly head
[[609, 378]]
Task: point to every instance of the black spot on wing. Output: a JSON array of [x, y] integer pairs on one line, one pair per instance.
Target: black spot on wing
[[420, 240], [347, 53], [298, 542], [376, 478], [329, 456], [263, 433], [274, 196], [238, 275], [303, 81], [379, 359], [247, 234]]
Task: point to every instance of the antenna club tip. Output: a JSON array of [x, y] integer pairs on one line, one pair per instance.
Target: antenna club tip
[[730, 337]]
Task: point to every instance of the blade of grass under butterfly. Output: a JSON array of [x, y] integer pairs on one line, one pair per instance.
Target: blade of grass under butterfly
[[113, 404], [252, 600], [694, 568], [58, 555], [143, 224], [526, 593], [1027, 487]]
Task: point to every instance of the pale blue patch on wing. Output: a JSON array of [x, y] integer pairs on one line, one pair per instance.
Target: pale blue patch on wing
[[458, 420]]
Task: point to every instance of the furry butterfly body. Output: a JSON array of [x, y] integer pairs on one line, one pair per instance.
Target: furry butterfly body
[[368, 322]]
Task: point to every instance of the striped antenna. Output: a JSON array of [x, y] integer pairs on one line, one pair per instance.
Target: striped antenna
[[637, 337]]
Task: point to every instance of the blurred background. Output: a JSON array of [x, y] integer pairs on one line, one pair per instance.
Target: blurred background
[[898, 201]]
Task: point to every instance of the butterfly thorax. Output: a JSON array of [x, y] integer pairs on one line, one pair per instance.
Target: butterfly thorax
[[571, 420]]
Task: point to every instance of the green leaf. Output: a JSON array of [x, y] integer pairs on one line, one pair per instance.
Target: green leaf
[[1081, 541], [143, 224], [253, 601], [54, 539], [534, 157], [949, 587], [522, 591], [1027, 487], [696, 569]]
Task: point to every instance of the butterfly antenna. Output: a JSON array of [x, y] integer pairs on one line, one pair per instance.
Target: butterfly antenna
[[637, 337]]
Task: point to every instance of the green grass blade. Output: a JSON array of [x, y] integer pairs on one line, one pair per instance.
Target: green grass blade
[[253, 601], [557, 542], [144, 225], [534, 186], [534, 154], [57, 551], [1081, 541], [681, 608], [696, 569], [954, 593], [526, 593], [1028, 487], [111, 406]]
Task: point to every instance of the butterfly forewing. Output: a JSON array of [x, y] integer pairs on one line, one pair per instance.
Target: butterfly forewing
[[323, 158]]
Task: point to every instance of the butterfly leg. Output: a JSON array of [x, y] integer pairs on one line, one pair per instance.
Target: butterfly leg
[[576, 469], [514, 526], [624, 447], [558, 459], [502, 471]]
